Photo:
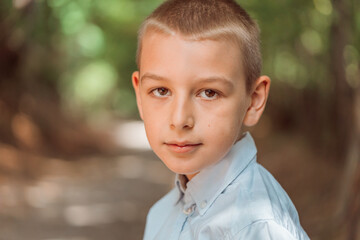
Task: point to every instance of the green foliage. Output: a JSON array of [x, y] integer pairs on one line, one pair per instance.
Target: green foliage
[[294, 37], [94, 45], [99, 40]]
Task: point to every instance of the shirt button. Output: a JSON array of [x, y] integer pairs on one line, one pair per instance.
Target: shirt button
[[188, 210], [203, 204]]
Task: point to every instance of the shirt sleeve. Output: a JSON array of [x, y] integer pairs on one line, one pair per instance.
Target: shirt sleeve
[[264, 230]]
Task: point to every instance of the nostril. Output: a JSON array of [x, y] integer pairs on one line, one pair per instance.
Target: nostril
[[184, 125], [187, 126], [182, 117]]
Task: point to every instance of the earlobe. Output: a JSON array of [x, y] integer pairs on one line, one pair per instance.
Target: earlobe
[[259, 97], [136, 84]]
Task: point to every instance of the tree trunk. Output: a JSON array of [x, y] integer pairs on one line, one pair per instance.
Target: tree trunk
[[31, 117], [347, 121], [344, 94], [349, 207]]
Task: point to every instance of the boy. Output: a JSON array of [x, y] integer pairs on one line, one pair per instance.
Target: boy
[[198, 83]]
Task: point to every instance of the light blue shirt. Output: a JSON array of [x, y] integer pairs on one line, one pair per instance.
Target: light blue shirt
[[234, 199]]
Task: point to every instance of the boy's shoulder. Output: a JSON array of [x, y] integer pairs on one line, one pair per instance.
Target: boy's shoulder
[[240, 192], [167, 202], [256, 204], [251, 204], [159, 212]]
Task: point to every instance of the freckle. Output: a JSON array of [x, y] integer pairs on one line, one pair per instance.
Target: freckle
[[208, 125]]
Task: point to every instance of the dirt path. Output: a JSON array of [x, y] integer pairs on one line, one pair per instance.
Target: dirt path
[[108, 198]]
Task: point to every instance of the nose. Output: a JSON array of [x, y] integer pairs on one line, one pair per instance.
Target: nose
[[182, 114]]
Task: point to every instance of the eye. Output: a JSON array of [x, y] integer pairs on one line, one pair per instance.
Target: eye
[[161, 92], [209, 94]]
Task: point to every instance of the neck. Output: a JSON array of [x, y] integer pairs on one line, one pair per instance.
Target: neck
[[190, 176]]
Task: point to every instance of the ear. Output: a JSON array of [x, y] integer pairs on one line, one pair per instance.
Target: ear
[[259, 97], [136, 84]]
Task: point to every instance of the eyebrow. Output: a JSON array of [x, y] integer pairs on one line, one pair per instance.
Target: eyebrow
[[153, 77], [221, 79], [211, 79]]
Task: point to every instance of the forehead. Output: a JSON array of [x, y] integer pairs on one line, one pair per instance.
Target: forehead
[[174, 53]]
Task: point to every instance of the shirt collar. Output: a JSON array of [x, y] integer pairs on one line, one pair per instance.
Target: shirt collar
[[208, 184]]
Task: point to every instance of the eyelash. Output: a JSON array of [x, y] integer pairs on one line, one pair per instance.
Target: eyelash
[[156, 93], [216, 94], [153, 92]]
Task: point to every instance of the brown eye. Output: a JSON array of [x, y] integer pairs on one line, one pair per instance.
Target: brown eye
[[209, 93], [161, 92]]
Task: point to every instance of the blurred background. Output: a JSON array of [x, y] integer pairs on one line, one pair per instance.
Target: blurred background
[[74, 160]]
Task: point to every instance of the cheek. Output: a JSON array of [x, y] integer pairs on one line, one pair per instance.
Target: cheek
[[151, 110], [152, 121], [224, 121]]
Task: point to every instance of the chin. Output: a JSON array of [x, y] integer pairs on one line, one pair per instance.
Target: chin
[[183, 170]]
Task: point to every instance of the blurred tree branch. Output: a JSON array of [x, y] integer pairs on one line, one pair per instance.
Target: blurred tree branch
[[31, 117], [347, 118]]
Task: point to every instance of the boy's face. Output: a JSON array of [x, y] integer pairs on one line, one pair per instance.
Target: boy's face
[[192, 98]]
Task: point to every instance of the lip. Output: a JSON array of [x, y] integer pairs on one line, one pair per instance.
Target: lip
[[182, 147]]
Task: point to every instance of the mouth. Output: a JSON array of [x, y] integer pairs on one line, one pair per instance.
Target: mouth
[[182, 147]]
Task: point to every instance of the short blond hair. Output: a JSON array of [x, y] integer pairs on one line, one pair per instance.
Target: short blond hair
[[208, 19]]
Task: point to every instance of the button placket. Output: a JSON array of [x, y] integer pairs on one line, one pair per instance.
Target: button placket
[[189, 210], [203, 204]]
